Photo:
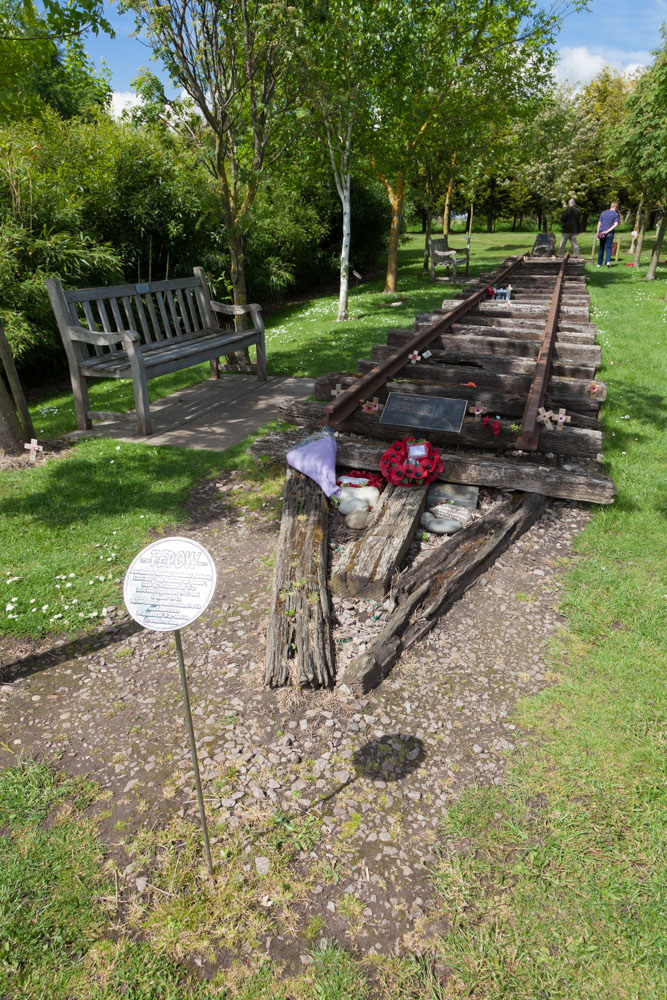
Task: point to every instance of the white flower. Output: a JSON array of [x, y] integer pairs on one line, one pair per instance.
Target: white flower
[[72, 575], [45, 607], [10, 607]]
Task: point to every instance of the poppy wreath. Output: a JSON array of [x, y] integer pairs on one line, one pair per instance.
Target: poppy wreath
[[372, 477], [398, 468]]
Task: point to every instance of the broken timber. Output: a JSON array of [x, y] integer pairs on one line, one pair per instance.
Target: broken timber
[[427, 591], [471, 469], [364, 567], [299, 645]]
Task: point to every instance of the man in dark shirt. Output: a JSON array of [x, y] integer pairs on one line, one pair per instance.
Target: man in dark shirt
[[570, 224], [606, 225]]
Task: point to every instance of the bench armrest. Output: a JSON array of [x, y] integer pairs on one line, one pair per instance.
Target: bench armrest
[[230, 310], [102, 339]]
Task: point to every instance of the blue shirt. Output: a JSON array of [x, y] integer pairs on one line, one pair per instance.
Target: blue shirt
[[607, 220]]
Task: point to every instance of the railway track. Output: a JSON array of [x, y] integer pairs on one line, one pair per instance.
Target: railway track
[[524, 370]]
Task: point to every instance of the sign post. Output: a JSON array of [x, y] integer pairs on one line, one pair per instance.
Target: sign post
[[168, 586]]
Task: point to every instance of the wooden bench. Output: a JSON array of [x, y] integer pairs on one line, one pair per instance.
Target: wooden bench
[[442, 254], [145, 330]]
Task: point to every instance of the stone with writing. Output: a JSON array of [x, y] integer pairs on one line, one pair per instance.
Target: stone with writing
[[169, 584]]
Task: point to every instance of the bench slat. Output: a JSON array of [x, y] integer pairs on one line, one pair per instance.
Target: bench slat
[[184, 313], [155, 322], [200, 348], [116, 314], [178, 330], [117, 291], [166, 329], [92, 324]]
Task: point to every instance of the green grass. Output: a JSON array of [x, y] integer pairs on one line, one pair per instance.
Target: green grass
[[564, 892], [70, 528]]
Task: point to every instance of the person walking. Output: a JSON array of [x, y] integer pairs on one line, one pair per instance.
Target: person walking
[[570, 223], [606, 225]]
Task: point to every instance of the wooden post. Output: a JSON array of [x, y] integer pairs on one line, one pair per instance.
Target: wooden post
[[15, 384]]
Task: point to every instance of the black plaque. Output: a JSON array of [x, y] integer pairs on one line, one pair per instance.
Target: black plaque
[[424, 413]]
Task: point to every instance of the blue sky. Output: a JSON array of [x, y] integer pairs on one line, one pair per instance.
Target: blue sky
[[620, 33]]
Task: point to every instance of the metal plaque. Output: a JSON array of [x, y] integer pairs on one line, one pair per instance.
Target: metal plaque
[[426, 413], [169, 584]]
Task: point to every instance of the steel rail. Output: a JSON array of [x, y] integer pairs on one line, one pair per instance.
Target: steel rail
[[364, 387], [530, 429]]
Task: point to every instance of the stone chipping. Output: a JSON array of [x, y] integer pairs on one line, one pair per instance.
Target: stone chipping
[[378, 771]]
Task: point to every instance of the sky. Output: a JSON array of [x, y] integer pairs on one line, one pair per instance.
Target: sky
[[617, 33]]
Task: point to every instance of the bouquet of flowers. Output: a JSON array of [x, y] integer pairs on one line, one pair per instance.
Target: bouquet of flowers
[[409, 461]]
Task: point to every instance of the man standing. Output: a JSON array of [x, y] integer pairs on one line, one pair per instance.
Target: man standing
[[570, 223], [606, 225]]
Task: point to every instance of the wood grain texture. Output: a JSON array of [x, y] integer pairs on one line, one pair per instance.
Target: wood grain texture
[[365, 566], [471, 470], [299, 644]]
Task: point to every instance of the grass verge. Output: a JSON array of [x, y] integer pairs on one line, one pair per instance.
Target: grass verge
[[556, 880], [70, 527]]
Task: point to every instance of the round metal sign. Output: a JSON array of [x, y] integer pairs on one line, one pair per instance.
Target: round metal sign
[[169, 584]]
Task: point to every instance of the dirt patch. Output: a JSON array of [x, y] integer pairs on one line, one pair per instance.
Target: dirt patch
[[377, 773]]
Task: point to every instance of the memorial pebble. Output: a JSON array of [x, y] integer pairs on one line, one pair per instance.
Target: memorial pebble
[[357, 519], [348, 506], [440, 525], [450, 511]]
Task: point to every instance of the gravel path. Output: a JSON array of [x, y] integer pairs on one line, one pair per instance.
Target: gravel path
[[379, 771]]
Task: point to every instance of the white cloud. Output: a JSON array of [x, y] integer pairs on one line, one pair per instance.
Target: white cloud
[[122, 100], [579, 64]]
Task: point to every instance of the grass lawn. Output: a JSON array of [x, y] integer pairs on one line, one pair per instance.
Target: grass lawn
[[563, 896]]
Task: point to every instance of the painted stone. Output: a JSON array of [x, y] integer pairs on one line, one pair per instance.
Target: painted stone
[[347, 506], [452, 512], [370, 494], [440, 525], [357, 519]]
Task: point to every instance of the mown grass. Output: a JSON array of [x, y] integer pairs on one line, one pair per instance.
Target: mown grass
[[70, 528], [304, 339], [556, 881]]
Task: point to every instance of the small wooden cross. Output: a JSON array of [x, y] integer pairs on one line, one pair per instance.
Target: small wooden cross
[[592, 389], [415, 357], [545, 417], [33, 448], [337, 391], [477, 410], [561, 419], [373, 406]]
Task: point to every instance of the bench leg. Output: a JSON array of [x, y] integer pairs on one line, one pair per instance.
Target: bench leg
[[81, 401], [215, 368], [140, 386], [261, 358]]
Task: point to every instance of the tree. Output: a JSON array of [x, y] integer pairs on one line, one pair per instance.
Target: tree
[[340, 45], [42, 60], [481, 52], [641, 141], [234, 60]]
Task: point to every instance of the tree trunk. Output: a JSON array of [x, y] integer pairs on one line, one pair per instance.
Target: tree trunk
[[396, 201], [489, 222], [640, 238], [446, 216], [427, 243], [239, 291], [11, 434], [344, 192], [635, 228], [657, 247]]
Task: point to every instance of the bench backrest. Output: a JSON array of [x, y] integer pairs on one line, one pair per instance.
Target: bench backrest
[[156, 310]]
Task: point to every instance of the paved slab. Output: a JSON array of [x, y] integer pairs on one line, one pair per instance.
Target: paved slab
[[212, 415]]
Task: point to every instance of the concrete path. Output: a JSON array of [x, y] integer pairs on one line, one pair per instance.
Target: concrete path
[[212, 415]]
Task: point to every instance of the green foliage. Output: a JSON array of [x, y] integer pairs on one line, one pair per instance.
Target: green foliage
[[35, 73]]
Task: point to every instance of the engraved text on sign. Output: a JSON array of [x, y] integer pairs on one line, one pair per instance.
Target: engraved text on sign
[[169, 584]]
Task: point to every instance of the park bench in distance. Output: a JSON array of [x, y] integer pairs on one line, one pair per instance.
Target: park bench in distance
[[442, 255], [144, 330]]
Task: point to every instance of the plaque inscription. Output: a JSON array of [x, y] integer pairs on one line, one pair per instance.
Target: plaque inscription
[[434, 413], [169, 584]]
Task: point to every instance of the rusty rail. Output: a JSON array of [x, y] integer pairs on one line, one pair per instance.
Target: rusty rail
[[530, 429], [364, 387]]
